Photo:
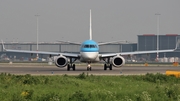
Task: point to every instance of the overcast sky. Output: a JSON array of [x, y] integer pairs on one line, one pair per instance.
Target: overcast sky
[[69, 19]]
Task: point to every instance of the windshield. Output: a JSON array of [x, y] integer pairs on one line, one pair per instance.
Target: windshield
[[89, 46]]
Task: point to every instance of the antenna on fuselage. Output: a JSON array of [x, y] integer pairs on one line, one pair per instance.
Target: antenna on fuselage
[[90, 30]]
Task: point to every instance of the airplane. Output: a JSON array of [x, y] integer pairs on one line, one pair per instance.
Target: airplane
[[89, 53]]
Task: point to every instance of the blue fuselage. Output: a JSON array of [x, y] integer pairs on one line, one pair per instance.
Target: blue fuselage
[[89, 51]]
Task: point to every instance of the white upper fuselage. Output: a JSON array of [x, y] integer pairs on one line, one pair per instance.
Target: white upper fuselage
[[89, 51]]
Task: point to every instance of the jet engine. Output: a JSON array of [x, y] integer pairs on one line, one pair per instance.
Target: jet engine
[[117, 61], [61, 61]]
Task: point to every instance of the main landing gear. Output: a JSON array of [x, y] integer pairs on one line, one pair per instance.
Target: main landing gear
[[107, 64], [71, 65]]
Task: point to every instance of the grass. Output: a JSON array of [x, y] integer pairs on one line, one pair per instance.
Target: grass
[[84, 87]]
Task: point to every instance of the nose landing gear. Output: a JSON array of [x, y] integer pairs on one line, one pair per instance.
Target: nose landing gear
[[89, 66]]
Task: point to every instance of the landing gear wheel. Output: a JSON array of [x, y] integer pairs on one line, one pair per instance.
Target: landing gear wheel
[[87, 68], [74, 67], [71, 65], [68, 67], [105, 66], [110, 67]]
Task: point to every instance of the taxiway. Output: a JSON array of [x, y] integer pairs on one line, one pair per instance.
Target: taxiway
[[96, 70]]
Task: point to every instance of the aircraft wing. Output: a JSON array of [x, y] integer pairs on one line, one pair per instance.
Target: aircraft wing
[[104, 43], [69, 42], [136, 52], [43, 52], [73, 55]]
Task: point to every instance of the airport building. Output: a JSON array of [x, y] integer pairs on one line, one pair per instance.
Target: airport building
[[149, 42], [145, 42]]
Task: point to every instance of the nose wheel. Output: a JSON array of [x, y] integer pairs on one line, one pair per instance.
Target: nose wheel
[[89, 67]]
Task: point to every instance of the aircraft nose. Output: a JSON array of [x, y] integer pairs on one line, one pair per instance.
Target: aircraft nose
[[90, 56]]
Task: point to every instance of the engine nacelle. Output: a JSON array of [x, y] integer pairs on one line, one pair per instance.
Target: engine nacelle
[[61, 61], [117, 61]]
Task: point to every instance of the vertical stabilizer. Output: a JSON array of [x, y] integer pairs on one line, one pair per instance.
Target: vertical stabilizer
[[90, 30]]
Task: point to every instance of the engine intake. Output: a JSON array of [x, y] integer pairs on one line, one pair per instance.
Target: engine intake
[[118, 61], [61, 61]]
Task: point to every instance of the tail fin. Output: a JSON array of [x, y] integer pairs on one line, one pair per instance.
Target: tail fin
[[90, 30]]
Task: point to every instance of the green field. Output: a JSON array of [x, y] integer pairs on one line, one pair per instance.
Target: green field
[[84, 87]]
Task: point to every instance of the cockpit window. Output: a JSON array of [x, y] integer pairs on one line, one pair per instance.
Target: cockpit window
[[95, 46], [92, 46], [86, 46], [89, 46]]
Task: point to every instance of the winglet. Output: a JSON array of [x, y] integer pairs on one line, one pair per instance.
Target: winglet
[[177, 44], [3, 45]]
